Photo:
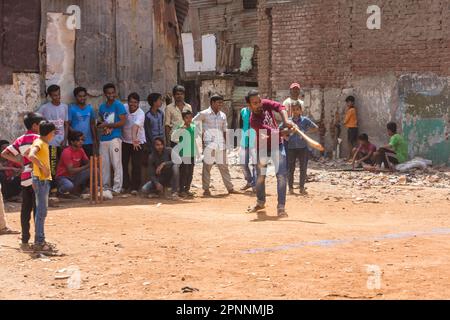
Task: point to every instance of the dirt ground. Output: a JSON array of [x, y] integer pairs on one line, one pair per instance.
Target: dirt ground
[[346, 240]]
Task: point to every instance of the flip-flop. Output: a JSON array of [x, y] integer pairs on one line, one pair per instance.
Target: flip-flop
[[7, 231], [255, 208]]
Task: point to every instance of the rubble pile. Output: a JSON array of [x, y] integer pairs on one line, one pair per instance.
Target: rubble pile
[[328, 171]]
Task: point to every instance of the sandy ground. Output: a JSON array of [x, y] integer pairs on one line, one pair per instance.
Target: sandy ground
[[335, 244]]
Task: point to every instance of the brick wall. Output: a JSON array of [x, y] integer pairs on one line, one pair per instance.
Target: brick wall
[[327, 43]]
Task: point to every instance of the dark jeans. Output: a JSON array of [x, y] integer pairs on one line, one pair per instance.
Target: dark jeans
[[302, 154], [167, 178], [89, 150], [186, 174], [385, 156], [10, 188], [55, 156], [28, 205], [137, 157], [249, 167]]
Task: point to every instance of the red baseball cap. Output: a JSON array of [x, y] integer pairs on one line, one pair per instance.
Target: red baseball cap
[[294, 85]]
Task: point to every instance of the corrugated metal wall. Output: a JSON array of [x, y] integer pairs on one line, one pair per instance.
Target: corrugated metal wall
[[134, 32], [116, 42], [19, 37]]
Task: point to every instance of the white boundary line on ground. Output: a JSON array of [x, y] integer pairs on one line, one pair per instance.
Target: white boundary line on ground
[[332, 243]]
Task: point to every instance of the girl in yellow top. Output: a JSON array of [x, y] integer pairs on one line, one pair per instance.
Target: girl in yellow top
[[39, 156], [351, 123]]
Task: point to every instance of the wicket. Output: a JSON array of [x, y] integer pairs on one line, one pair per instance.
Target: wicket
[[96, 179]]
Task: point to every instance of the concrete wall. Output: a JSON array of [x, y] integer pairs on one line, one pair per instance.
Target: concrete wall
[[424, 107], [23, 96]]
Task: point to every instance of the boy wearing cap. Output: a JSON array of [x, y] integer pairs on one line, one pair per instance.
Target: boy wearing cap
[[294, 97]]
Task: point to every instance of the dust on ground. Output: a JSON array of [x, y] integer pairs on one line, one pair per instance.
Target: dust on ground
[[357, 235]]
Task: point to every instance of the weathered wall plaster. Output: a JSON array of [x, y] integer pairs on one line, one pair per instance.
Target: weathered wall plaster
[[23, 96]]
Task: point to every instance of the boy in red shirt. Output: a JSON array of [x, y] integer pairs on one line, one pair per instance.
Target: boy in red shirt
[[72, 174], [16, 153]]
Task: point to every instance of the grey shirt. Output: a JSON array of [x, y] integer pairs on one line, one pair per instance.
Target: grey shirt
[[57, 115]]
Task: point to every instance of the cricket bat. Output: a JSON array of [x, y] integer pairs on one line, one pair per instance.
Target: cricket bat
[[313, 143]]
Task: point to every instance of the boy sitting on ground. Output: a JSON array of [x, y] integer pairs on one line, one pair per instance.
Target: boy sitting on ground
[[72, 174], [163, 172], [364, 152], [395, 152]]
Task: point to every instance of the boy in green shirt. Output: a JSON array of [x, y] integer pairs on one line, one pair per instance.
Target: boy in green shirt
[[186, 137], [395, 152]]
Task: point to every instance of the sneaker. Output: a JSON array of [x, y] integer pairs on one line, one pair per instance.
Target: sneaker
[[134, 192], [7, 230], [174, 196], [282, 213], [115, 193], [232, 191], [303, 191], [246, 187], [207, 193]]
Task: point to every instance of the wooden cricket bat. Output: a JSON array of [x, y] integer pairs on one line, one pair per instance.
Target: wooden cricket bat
[[313, 143]]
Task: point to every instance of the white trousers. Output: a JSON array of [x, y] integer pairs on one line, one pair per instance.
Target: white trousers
[[111, 152]]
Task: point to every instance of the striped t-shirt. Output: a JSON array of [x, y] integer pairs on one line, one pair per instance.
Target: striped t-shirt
[[20, 146]]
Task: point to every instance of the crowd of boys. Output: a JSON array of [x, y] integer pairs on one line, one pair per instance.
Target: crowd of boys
[[53, 154]]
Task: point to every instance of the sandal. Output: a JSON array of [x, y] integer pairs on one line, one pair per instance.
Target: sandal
[[45, 248], [255, 208], [7, 230]]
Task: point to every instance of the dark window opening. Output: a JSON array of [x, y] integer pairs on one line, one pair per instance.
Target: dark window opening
[[250, 4]]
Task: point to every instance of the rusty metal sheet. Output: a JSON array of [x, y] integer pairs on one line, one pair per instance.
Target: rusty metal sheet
[[202, 3], [182, 8], [20, 22], [134, 32]]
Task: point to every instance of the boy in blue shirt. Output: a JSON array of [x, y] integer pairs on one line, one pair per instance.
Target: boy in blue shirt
[[82, 119], [297, 147], [112, 117]]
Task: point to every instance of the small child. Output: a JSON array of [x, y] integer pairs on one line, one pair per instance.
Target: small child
[[364, 152], [297, 147], [351, 123], [39, 156], [187, 153]]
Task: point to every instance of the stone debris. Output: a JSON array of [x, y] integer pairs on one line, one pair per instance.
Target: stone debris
[[188, 290], [321, 171]]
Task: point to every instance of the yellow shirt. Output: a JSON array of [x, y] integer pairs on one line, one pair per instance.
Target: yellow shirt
[[44, 156], [351, 120]]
